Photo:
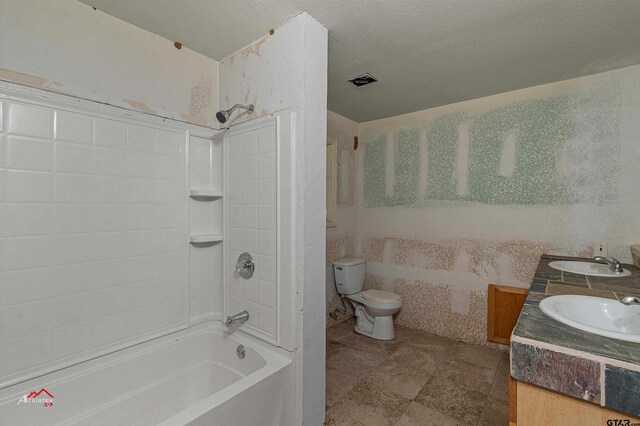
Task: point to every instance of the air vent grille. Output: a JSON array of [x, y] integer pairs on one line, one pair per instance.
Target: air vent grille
[[363, 80]]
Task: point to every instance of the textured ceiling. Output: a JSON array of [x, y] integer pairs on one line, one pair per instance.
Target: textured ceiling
[[424, 53]]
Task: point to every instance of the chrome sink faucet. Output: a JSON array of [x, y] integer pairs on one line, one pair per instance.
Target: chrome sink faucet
[[630, 300], [613, 264], [238, 318]]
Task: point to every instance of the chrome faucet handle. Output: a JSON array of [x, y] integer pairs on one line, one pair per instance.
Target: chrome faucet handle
[[617, 267], [613, 264], [630, 300], [245, 265]]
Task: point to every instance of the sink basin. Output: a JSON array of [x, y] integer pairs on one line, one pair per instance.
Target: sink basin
[[587, 268], [605, 317]]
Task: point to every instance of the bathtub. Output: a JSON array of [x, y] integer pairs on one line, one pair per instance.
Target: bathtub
[[192, 377]]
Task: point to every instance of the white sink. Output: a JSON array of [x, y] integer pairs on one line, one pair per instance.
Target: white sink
[[587, 268], [605, 317]]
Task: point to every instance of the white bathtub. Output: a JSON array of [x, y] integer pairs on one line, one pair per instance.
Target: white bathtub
[[192, 377]]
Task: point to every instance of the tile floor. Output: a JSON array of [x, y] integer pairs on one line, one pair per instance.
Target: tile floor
[[415, 379]]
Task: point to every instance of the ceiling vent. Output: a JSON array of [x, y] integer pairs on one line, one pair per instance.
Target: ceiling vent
[[363, 80]]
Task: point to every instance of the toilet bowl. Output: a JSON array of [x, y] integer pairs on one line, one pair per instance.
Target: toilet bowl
[[374, 309]]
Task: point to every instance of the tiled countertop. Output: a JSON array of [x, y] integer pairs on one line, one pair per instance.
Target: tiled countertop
[[553, 355]]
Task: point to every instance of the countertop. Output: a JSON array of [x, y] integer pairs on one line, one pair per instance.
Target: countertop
[[553, 355]]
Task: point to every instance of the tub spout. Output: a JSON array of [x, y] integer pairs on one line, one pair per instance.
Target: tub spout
[[238, 318]]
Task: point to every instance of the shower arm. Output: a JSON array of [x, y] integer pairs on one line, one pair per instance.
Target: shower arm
[[236, 106]]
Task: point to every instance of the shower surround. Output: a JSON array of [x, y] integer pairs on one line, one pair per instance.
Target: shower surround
[[453, 198]]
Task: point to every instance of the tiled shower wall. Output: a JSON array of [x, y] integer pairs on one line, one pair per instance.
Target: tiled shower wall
[[93, 219], [251, 194], [454, 198]]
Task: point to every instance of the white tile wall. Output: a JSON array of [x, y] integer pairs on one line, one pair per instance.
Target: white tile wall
[[251, 224], [93, 239]]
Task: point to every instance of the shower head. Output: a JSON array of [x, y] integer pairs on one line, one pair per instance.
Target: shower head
[[224, 115]]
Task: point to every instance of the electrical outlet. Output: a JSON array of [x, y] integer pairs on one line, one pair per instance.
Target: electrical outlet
[[600, 248]]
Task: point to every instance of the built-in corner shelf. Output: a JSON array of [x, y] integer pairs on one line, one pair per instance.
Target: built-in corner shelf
[[205, 238], [210, 194]]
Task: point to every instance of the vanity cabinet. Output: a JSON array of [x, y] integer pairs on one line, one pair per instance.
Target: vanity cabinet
[[562, 375], [531, 405]]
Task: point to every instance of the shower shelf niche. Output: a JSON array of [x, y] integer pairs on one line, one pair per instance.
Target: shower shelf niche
[[205, 238], [209, 194]]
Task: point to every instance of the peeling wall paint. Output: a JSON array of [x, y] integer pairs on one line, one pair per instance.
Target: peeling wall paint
[[68, 47], [29, 80], [140, 106], [453, 198], [267, 74]]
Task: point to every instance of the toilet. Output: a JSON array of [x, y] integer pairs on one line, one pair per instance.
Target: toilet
[[374, 308]]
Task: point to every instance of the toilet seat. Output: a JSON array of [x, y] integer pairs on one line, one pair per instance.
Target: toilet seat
[[390, 304], [380, 296]]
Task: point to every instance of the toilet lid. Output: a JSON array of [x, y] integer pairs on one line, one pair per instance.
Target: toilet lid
[[380, 296]]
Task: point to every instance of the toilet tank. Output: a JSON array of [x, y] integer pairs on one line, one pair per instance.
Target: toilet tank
[[349, 274]]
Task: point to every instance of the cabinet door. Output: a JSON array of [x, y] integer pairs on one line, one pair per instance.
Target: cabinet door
[[539, 406], [504, 306]]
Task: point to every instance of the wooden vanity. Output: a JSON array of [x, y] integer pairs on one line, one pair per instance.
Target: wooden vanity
[[535, 406], [564, 376]]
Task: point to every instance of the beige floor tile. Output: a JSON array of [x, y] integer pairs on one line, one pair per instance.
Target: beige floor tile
[[464, 405], [367, 344], [371, 405], [400, 379], [505, 353], [354, 361], [429, 342], [342, 329], [478, 355], [403, 333], [500, 387], [334, 347], [331, 419], [421, 415], [466, 375], [338, 383], [372, 382], [419, 358], [496, 413]]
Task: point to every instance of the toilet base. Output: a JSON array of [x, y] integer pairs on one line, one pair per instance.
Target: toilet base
[[382, 329]]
